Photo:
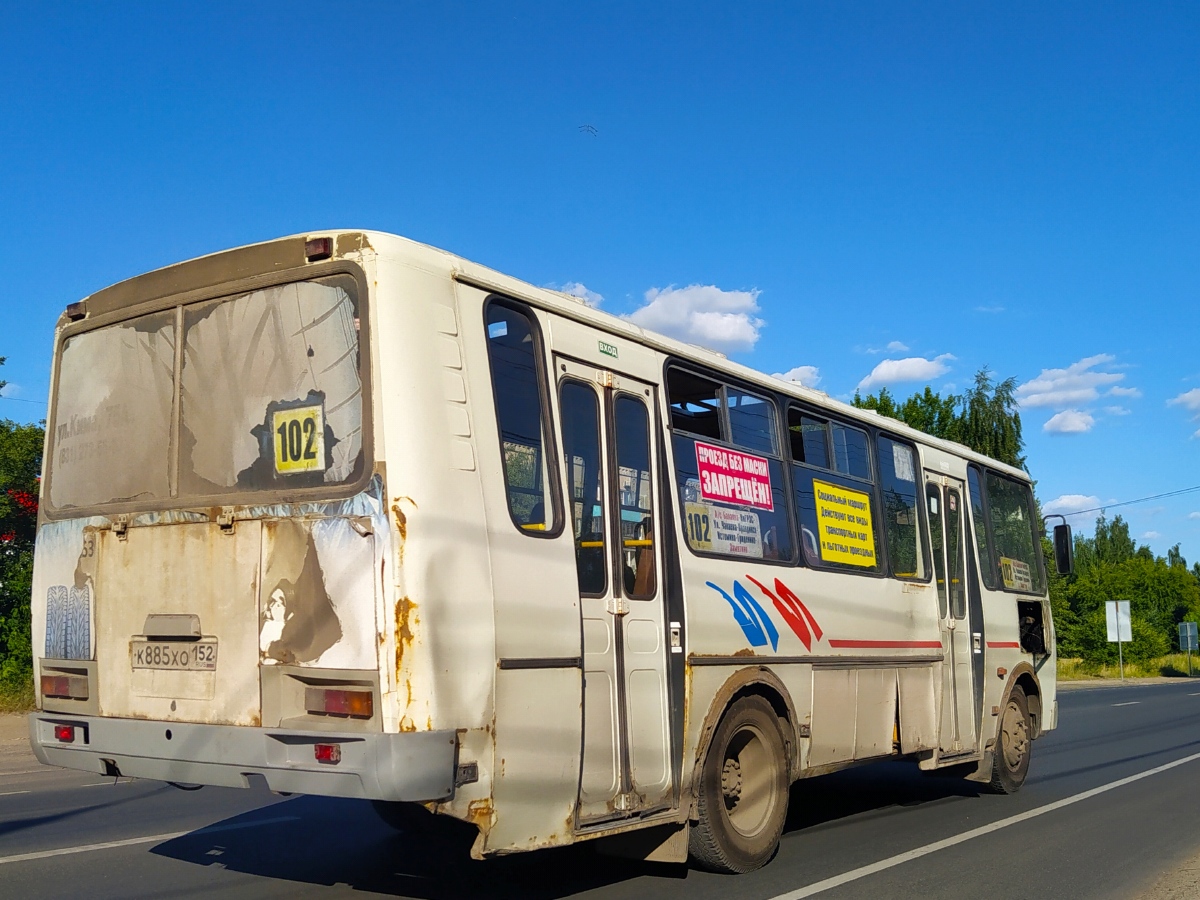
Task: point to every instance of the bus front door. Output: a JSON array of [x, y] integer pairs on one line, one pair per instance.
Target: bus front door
[[609, 450], [943, 500]]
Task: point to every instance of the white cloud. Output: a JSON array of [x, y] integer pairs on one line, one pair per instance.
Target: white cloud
[[1070, 503], [1117, 410], [1075, 385], [896, 347], [915, 368], [1118, 391], [1194, 515], [12, 390], [1189, 400], [1069, 421], [1151, 536], [809, 376], [989, 309], [576, 289], [702, 314]]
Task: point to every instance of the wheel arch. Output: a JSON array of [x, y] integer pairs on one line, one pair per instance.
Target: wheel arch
[[750, 681], [1025, 677]]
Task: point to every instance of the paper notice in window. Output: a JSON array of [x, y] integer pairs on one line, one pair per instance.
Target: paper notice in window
[[844, 525], [731, 476], [903, 463], [1016, 574]]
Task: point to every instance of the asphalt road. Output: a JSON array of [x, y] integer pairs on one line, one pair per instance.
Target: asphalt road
[[1111, 843]]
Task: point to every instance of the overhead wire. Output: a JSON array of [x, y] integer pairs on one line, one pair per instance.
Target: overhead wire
[[1107, 506]]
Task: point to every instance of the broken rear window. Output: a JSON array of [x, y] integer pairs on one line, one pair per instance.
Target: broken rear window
[[270, 390], [270, 398]]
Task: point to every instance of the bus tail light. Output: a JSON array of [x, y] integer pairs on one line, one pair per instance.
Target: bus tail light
[[70, 687], [64, 734], [328, 753], [333, 702], [316, 249]]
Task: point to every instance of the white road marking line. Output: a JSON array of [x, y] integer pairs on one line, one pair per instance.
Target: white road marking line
[[149, 839], [1128, 703], [10, 793], [890, 862], [1197, 694]]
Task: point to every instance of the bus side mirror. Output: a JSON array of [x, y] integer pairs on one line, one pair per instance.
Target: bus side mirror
[[1064, 549]]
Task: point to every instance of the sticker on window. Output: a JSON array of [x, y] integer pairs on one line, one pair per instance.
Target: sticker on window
[[902, 461], [1016, 574], [718, 530], [844, 522], [730, 476], [299, 435]]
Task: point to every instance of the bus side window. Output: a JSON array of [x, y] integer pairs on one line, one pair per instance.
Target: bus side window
[[516, 368], [898, 484], [1013, 528], [979, 518], [751, 522], [580, 411]]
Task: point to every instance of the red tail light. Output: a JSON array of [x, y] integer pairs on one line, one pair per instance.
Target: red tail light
[[318, 248], [328, 753], [330, 702], [64, 734]]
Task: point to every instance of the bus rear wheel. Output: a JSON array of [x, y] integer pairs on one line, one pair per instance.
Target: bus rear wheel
[[1010, 756], [743, 794]]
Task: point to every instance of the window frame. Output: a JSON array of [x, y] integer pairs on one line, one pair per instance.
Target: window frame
[[922, 526], [993, 547], [883, 565], [550, 451], [722, 380], [224, 291], [991, 582]]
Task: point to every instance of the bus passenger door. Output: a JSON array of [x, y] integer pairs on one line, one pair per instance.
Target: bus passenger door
[[609, 437], [947, 533]]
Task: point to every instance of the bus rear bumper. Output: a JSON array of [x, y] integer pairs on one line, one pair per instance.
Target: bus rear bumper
[[413, 766]]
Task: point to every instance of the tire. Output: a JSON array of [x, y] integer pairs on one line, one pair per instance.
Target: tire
[[1010, 755], [743, 796], [407, 817]]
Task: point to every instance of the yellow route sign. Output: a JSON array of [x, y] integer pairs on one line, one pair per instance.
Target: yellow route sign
[[299, 435], [844, 523]]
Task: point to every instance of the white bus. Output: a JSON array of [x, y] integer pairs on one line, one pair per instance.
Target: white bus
[[360, 518]]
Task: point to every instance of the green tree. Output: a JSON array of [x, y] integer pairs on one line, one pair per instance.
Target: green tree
[[20, 468], [985, 418]]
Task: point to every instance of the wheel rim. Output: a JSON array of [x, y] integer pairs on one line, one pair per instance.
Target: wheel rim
[[748, 783], [1015, 736]]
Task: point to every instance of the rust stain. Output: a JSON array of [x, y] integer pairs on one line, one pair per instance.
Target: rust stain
[[406, 618], [745, 651], [401, 523], [407, 725], [480, 813], [429, 723]]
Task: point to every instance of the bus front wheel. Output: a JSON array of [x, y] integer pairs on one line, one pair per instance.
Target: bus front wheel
[[1010, 756], [743, 793]]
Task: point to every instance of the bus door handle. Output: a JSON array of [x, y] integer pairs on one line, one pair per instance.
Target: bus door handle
[[977, 642], [617, 606]]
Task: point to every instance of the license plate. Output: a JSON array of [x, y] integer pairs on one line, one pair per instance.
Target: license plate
[[185, 656]]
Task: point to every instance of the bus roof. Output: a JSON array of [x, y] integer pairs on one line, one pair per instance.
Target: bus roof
[[288, 253]]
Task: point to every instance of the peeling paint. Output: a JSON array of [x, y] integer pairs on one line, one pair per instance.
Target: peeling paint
[[481, 813], [299, 622]]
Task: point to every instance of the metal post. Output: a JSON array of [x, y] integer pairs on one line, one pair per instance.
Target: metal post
[[1189, 659], [1120, 654]]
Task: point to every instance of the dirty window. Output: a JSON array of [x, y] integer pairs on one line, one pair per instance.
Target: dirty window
[[516, 383], [112, 427], [898, 483], [270, 390]]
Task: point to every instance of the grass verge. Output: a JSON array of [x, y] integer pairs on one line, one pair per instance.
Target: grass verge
[[17, 697], [1174, 665]]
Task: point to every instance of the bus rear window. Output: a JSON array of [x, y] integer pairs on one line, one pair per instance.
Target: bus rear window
[[112, 426], [269, 398], [270, 390]]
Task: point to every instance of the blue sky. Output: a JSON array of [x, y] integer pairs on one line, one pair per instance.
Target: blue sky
[[887, 196]]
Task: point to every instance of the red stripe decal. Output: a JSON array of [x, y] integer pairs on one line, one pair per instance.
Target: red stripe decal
[[886, 645], [1004, 645]]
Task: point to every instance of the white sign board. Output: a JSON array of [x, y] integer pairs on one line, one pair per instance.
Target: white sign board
[[1116, 612]]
